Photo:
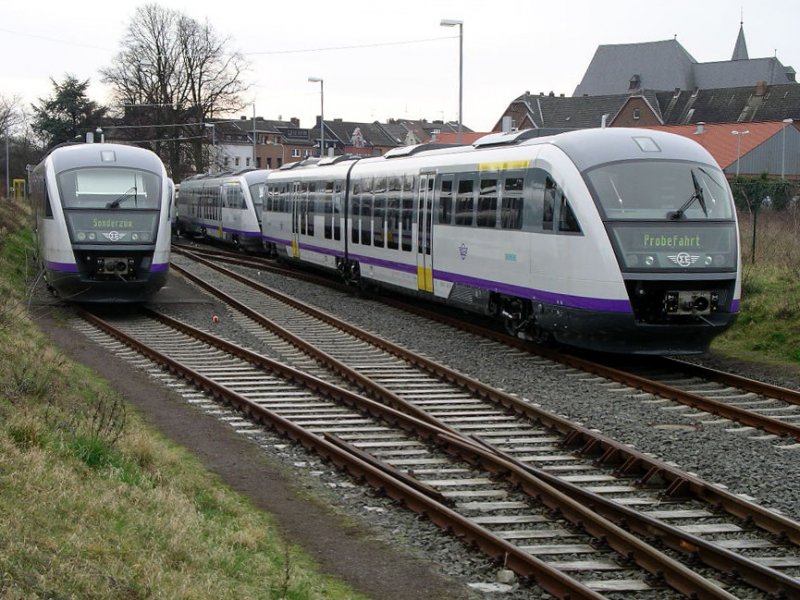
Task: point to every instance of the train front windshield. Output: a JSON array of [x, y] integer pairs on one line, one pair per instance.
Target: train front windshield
[[667, 215], [110, 205], [657, 190], [109, 188]]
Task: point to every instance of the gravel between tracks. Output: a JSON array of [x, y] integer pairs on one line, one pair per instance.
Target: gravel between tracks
[[392, 554]]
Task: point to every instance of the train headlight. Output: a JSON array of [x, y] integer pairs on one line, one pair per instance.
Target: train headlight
[[135, 237], [650, 261], [81, 236], [92, 237], [632, 259], [709, 260]]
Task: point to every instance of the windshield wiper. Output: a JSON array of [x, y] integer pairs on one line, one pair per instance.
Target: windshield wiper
[[130, 193], [697, 195]]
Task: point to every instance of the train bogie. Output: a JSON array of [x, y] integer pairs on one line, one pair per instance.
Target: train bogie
[[102, 222]]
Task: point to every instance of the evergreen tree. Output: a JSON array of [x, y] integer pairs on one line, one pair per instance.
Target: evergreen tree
[[67, 113]]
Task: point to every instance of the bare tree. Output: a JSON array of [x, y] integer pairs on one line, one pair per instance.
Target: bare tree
[[12, 121], [172, 75]]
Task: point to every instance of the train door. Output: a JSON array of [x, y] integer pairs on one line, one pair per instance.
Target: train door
[[424, 232], [296, 216]]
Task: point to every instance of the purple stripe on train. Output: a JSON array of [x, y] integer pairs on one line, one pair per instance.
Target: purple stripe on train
[[63, 267], [159, 267]]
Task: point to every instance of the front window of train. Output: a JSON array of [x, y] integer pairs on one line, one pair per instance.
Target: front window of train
[[110, 204], [667, 215]]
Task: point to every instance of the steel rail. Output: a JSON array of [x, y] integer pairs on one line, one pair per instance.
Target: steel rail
[[675, 574], [550, 579], [628, 461], [741, 415], [749, 385]]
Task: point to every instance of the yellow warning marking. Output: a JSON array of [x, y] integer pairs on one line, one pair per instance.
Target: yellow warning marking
[[502, 166]]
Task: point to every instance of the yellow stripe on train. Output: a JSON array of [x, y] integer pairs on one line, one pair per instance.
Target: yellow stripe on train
[[503, 166]]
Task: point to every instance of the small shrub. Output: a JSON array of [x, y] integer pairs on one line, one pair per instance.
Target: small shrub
[[27, 433]]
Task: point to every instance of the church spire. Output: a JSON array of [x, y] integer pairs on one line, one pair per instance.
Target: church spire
[[740, 49]]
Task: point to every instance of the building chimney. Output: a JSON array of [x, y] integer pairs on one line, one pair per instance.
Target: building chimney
[[295, 121], [701, 128], [761, 88], [507, 121]]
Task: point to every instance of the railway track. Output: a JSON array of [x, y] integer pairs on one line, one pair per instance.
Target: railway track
[[490, 500], [551, 447], [751, 404]]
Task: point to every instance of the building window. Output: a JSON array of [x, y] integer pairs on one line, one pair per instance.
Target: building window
[[236, 161], [247, 162], [295, 152], [636, 114]]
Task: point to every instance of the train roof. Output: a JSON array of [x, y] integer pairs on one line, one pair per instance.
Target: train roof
[[104, 155], [591, 147], [587, 148]]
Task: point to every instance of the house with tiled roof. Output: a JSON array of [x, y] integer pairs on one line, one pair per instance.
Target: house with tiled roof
[[747, 149], [660, 83]]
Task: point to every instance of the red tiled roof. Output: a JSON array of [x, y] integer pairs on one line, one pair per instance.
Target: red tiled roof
[[467, 137], [721, 143]]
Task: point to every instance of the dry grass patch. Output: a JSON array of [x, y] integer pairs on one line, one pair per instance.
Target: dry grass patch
[[95, 505]]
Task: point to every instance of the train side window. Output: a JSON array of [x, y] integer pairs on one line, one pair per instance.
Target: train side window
[[327, 209], [446, 202], [550, 193], [355, 213], [48, 209], [465, 203], [379, 212], [512, 204], [302, 205], [487, 203], [366, 212], [337, 210], [567, 221], [393, 213], [313, 194], [406, 222], [532, 213]]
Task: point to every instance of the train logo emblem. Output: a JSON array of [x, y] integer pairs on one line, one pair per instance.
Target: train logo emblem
[[462, 250], [114, 236], [684, 259]]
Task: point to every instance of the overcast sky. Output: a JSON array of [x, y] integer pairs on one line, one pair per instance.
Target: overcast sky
[[383, 59]]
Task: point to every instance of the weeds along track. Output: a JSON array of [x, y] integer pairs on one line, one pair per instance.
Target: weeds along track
[[685, 514]]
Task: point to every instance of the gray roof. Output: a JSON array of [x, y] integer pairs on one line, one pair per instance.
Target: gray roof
[[731, 105], [740, 49], [373, 133], [666, 65], [577, 112], [663, 65]]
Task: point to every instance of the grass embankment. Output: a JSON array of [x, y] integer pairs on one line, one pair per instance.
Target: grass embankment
[[95, 505], [768, 328]]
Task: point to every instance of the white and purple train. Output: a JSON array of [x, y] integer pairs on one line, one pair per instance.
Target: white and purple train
[[101, 222], [224, 208], [621, 240]]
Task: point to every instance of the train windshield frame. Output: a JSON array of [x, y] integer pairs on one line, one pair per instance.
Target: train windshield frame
[[660, 190], [110, 188]]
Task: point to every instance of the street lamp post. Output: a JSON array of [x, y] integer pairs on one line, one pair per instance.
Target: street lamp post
[[213, 146], [453, 23], [321, 113], [739, 135], [783, 149]]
